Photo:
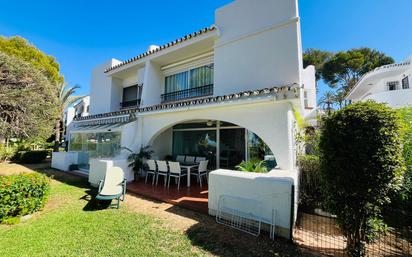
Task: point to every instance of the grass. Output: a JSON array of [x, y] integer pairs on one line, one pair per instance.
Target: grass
[[70, 225]]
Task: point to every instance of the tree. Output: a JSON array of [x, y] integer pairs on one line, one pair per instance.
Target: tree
[[361, 164], [66, 98], [345, 69], [22, 49], [28, 101], [340, 98], [328, 100], [316, 58]]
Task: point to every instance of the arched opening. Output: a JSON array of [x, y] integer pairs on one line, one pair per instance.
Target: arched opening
[[224, 144]]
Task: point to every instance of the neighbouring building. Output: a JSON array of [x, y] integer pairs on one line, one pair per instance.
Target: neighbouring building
[[79, 109], [228, 92], [389, 84]]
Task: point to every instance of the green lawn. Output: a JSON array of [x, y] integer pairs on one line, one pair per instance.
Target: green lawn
[[71, 226]]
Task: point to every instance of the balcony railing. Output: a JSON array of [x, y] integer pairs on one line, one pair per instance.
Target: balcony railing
[[187, 93], [129, 104]]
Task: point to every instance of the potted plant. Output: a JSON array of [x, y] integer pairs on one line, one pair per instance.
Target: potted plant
[[137, 159]]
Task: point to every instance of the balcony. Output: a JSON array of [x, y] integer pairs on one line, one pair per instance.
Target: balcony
[[130, 104], [187, 94]]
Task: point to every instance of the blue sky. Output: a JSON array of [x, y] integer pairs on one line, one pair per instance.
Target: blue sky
[[82, 34]]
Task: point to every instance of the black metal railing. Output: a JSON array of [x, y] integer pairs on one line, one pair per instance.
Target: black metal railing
[[187, 93], [128, 104]]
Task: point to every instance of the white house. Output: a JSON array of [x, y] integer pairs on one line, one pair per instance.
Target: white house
[[80, 109], [386, 84], [228, 92]]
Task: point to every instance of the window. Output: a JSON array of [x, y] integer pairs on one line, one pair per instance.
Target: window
[[405, 83], [197, 77], [392, 85], [131, 96], [130, 93]]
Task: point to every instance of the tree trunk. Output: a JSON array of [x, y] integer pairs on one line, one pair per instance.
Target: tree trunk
[[57, 136]]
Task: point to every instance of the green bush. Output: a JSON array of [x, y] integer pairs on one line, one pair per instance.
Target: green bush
[[310, 190], [22, 194], [399, 212], [361, 164], [253, 165], [32, 156], [6, 153]]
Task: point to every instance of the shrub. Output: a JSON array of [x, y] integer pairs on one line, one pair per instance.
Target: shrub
[[310, 190], [22, 194], [399, 212], [361, 164], [32, 156], [254, 165], [6, 153]]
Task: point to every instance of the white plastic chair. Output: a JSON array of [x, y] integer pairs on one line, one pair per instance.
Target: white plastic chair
[[180, 158], [199, 159], [113, 186], [151, 170], [190, 159], [162, 170], [176, 172], [201, 171]]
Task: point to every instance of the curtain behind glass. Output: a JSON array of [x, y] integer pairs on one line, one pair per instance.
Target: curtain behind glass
[[176, 82], [201, 76]]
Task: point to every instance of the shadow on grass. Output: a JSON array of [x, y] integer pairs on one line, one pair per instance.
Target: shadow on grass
[[74, 180], [225, 241]]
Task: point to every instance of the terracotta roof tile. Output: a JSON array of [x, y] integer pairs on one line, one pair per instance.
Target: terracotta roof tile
[[162, 47]]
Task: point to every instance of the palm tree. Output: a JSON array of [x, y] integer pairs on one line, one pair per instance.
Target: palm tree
[[340, 98], [328, 99], [66, 98]]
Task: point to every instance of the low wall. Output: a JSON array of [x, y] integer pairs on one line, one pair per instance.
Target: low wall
[[98, 168], [276, 191], [62, 160]]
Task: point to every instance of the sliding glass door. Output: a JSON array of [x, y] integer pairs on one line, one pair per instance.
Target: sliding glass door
[[224, 144], [232, 150]]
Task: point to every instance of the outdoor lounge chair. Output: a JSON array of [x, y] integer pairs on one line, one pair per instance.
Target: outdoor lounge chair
[[113, 186]]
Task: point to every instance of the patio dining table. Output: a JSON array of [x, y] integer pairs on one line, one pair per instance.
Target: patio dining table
[[188, 167]]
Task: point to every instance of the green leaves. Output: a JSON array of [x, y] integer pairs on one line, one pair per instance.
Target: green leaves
[[361, 163], [22, 194], [28, 106], [344, 69], [23, 50], [254, 165]]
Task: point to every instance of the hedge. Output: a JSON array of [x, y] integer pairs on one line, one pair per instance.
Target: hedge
[[22, 194], [32, 156]]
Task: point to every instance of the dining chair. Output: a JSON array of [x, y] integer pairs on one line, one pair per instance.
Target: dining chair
[[180, 158], [151, 170], [201, 171], [190, 159], [162, 170], [199, 159], [176, 172]]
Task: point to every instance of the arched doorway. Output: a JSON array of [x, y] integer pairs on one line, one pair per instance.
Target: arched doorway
[[224, 144]]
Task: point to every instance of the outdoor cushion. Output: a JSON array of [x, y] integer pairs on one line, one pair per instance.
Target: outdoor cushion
[[112, 190]]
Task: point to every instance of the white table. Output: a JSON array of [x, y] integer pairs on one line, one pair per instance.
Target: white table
[[188, 167]]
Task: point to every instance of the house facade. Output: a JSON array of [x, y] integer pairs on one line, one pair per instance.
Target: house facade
[[80, 109], [386, 84], [229, 92]]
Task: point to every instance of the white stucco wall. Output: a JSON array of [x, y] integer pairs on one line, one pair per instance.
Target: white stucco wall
[[100, 89], [263, 195], [395, 99], [258, 45], [153, 84], [270, 120]]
